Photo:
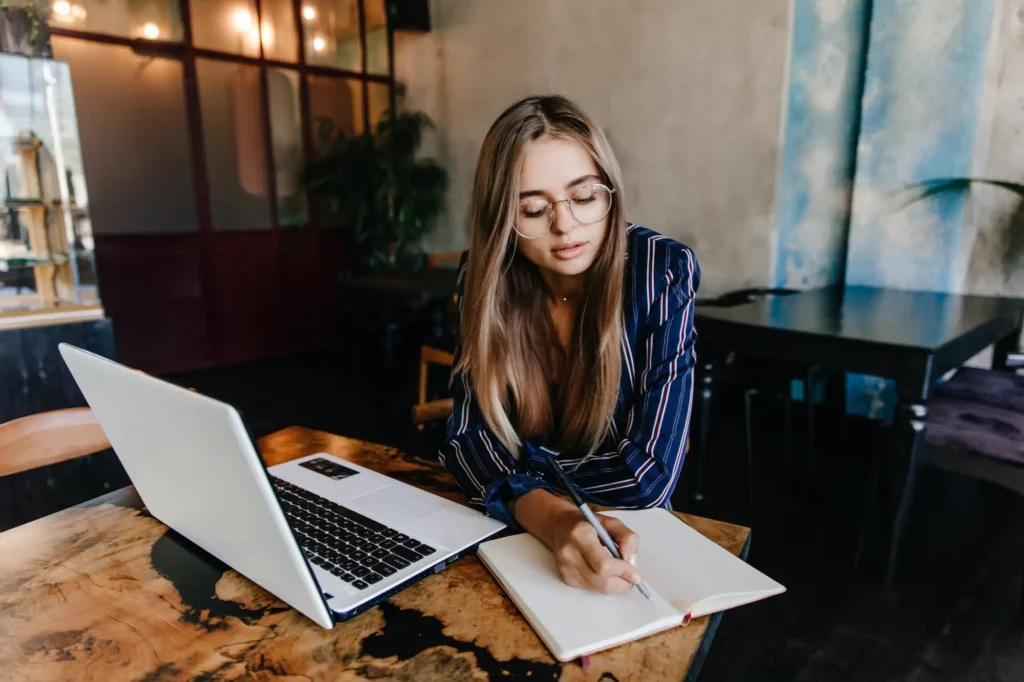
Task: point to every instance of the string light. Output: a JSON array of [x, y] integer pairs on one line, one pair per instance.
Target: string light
[[242, 19], [319, 44], [151, 31]]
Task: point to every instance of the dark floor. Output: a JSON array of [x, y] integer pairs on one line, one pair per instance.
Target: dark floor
[[953, 616]]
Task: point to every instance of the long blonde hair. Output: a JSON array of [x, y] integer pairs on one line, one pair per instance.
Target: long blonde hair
[[505, 322]]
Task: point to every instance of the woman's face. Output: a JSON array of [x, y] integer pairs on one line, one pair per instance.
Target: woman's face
[[555, 169]]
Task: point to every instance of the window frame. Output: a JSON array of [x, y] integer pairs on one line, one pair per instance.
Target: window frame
[[187, 54]]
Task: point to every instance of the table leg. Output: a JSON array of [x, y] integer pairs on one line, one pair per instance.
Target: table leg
[[809, 393], [908, 435], [1003, 347], [704, 446]]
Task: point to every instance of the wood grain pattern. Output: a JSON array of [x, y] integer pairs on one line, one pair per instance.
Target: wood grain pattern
[[105, 591], [49, 437]]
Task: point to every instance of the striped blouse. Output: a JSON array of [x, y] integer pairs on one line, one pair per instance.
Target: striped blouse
[[638, 463]]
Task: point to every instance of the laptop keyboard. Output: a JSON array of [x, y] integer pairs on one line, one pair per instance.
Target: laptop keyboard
[[358, 550]]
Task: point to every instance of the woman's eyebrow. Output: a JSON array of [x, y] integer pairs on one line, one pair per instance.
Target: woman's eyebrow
[[577, 181]]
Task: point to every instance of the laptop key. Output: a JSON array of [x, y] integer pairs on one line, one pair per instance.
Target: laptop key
[[337, 571], [406, 553], [360, 571], [388, 544], [396, 561], [372, 578], [385, 570], [380, 552], [401, 538], [348, 577], [359, 585], [389, 532], [410, 543], [425, 550]]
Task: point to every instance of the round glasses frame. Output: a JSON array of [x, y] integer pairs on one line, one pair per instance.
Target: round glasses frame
[[551, 211]]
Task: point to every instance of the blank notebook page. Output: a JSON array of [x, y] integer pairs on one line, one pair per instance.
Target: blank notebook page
[[688, 568], [572, 622]]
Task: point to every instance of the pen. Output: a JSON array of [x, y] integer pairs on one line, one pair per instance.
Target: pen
[[591, 518]]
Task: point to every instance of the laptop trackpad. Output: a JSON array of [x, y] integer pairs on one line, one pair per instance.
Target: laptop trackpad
[[396, 505]]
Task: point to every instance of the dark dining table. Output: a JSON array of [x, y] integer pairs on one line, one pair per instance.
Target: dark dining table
[[910, 337], [386, 306]]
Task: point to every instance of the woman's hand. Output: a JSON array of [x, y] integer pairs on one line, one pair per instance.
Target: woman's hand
[[581, 558]]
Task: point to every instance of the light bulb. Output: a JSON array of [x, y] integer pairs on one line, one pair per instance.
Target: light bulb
[[78, 12], [62, 7], [267, 33], [309, 13], [241, 19], [151, 31], [319, 44]]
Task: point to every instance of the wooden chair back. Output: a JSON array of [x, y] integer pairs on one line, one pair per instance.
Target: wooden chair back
[[424, 411], [47, 438], [445, 259]]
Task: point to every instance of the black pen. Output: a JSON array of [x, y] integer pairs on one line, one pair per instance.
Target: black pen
[[591, 518]]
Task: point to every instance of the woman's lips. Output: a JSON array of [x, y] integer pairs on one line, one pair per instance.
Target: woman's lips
[[568, 251]]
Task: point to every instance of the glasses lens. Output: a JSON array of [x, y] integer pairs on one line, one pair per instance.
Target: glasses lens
[[590, 203], [534, 218]]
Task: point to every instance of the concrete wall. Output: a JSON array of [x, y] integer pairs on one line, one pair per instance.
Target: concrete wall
[[690, 94], [995, 252]]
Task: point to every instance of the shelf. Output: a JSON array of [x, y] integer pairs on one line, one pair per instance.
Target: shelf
[[8, 264], [28, 311], [41, 202]]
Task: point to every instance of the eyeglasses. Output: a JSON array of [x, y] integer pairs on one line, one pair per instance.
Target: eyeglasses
[[588, 204]]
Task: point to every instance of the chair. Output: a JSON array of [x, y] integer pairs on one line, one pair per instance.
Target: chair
[[48, 438], [444, 259], [424, 410], [756, 378], [974, 426], [429, 410]]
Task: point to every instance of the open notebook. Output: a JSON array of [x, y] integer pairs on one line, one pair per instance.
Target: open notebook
[[688, 575]]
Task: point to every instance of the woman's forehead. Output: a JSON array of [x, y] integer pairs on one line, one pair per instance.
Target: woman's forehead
[[551, 163]]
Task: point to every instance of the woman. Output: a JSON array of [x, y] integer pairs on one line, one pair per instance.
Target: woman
[[577, 340]]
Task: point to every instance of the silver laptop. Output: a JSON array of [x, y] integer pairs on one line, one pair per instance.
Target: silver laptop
[[326, 536]]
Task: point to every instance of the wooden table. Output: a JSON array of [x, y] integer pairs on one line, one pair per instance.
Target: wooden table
[[104, 591], [911, 337]]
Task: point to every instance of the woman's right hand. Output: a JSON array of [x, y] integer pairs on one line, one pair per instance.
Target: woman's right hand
[[581, 558]]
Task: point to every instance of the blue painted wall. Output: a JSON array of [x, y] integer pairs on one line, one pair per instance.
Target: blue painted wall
[[920, 112], [826, 71]]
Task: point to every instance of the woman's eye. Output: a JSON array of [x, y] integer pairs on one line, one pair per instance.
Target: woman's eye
[[583, 200], [534, 209]]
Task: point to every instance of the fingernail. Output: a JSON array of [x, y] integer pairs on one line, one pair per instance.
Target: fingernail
[[631, 559]]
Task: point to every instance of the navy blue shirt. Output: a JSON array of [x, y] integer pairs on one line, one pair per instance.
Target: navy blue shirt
[[639, 461]]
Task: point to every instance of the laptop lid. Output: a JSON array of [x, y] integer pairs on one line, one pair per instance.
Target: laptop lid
[[195, 466]]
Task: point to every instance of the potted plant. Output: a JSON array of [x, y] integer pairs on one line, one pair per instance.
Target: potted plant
[[23, 27], [378, 189], [936, 186]]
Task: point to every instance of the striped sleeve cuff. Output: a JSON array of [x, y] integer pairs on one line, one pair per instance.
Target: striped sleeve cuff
[[501, 494]]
